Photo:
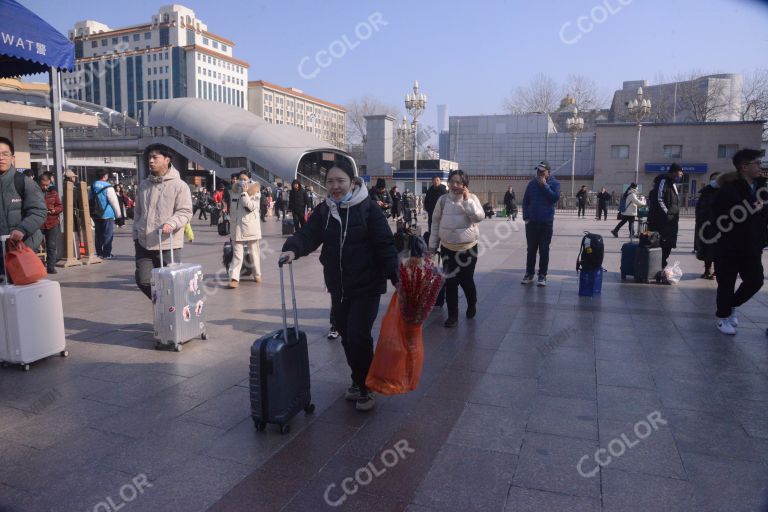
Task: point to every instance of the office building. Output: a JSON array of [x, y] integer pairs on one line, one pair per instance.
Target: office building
[[288, 105], [173, 56]]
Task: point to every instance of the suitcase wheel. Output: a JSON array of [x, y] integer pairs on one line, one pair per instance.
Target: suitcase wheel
[[284, 429], [177, 347], [309, 409], [204, 336], [260, 425], [64, 353], [158, 346]]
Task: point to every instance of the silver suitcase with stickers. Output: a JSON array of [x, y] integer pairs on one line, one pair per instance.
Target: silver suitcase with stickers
[[178, 300]]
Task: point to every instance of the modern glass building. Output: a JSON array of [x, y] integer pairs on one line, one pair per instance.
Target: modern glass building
[[174, 56]]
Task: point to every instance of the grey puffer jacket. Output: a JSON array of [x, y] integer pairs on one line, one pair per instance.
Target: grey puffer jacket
[[27, 214], [167, 201]]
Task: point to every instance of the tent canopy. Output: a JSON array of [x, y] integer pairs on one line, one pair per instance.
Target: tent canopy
[[29, 45]]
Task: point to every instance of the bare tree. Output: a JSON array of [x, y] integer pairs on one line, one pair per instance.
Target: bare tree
[[540, 95], [357, 110], [754, 98], [704, 100], [585, 91]]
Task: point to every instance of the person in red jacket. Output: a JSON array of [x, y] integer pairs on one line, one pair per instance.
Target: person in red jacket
[[51, 224]]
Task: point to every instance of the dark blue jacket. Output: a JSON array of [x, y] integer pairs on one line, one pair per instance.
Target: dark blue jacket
[[539, 201]]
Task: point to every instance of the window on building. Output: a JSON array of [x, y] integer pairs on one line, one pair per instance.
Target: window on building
[[125, 39], [205, 41], [166, 55], [727, 150], [136, 37], [223, 47], [216, 44], [166, 69], [94, 44], [620, 152], [104, 42], [673, 151], [114, 40], [147, 35]]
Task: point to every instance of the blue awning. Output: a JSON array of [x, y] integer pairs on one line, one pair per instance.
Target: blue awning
[[29, 45]]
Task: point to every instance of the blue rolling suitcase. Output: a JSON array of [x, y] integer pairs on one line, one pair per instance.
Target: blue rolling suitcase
[[279, 372], [590, 282], [628, 258]]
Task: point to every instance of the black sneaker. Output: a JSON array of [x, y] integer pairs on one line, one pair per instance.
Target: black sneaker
[[615, 234], [365, 402], [542, 281], [471, 310], [332, 334], [451, 322], [352, 394]]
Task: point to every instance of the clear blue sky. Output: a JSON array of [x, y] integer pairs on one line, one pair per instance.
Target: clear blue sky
[[467, 54]]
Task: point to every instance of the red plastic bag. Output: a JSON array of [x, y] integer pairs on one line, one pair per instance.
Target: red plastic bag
[[307, 215], [399, 355], [22, 265]]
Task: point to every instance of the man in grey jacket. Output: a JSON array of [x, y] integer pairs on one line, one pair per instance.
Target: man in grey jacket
[[22, 204], [164, 201]]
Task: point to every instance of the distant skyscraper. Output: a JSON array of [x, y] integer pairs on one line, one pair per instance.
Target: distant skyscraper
[[442, 118]]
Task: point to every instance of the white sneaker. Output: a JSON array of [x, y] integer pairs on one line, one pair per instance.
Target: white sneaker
[[733, 319], [725, 327]]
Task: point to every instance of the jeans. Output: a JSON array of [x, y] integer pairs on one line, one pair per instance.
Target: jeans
[[52, 255], [105, 229], [538, 235], [459, 267], [354, 318], [624, 220], [728, 265], [147, 260]]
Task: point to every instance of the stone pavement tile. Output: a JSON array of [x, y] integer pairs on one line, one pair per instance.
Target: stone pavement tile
[[549, 463], [244, 445], [630, 492], [520, 499], [524, 343], [504, 391], [375, 434], [472, 358], [709, 434], [14, 500], [467, 479], [635, 374], [453, 383], [491, 428], [674, 366], [753, 417], [10, 417], [568, 359], [160, 450], [135, 389], [727, 359], [619, 403], [636, 446], [568, 384], [515, 364], [48, 429], [619, 350], [193, 487], [147, 415], [720, 484], [665, 344], [214, 380], [757, 353], [223, 411], [261, 491], [36, 472], [734, 385], [694, 393], [564, 417]]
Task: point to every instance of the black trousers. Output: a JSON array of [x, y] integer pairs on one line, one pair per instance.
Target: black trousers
[[582, 210], [538, 235], [147, 260], [52, 254], [459, 268], [354, 318], [263, 213], [602, 210], [624, 220], [728, 265], [298, 220]]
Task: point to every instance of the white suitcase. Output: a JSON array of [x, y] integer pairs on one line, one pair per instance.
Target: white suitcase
[[178, 303], [31, 321]]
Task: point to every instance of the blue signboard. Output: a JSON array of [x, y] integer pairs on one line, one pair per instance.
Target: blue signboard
[[366, 178], [687, 168]]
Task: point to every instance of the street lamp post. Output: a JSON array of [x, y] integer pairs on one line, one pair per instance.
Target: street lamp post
[[575, 126], [415, 104], [639, 108], [405, 133]]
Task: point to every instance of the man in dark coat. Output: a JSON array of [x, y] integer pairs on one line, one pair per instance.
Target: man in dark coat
[[510, 203], [380, 196], [664, 209], [430, 199], [705, 251], [396, 200], [603, 197], [581, 200], [297, 202], [741, 216]]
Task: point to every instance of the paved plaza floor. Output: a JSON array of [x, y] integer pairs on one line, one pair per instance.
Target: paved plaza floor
[[513, 409]]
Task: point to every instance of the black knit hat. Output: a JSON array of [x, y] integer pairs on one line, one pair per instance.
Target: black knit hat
[[380, 183], [675, 167]]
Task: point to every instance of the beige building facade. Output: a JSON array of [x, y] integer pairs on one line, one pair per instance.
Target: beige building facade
[[291, 106]]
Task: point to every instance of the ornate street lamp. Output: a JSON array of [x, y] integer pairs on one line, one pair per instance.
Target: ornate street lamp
[[575, 125], [639, 108], [415, 104]]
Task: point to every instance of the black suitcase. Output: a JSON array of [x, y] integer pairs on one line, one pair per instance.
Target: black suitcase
[[279, 372], [628, 257], [288, 227], [228, 256], [647, 264]]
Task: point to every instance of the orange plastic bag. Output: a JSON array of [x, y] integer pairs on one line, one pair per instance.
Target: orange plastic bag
[[22, 265], [399, 355]]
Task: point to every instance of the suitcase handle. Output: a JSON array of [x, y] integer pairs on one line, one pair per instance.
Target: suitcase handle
[[170, 242], [293, 296], [3, 240]]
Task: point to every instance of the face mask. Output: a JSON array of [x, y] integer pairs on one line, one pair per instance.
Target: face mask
[[346, 198], [243, 183], [713, 183]]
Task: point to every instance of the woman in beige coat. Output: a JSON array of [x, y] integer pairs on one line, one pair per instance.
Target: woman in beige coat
[[455, 233], [246, 227]]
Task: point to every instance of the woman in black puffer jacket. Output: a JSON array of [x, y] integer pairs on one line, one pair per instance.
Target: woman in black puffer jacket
[[358, 256]]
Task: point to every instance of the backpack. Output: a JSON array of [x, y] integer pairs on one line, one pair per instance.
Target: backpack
[[97, 210], [591, 252]]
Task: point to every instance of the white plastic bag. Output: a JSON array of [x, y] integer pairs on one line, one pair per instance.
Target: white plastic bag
[[673, 273]]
